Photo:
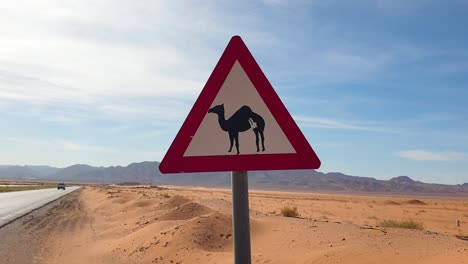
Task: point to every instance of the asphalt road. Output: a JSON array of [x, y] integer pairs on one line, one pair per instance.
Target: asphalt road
[[16, 204]]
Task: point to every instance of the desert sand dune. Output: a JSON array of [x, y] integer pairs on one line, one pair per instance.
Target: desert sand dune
[[186, 225]]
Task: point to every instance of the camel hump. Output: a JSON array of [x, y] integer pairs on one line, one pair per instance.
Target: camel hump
[[245, 109]]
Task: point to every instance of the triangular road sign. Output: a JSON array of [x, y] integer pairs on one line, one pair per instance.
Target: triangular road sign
[[238, 123]]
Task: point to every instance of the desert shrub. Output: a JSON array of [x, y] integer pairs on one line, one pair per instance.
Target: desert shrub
[[166, 195], [409, 224], [289, 211]]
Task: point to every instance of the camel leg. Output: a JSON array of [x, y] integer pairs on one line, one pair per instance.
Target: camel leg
[[256, 139], [263, 140], [236, 138], [231, 139]]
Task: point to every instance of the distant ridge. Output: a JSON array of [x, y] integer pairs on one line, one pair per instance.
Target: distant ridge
[[292, 180], [403, 180]]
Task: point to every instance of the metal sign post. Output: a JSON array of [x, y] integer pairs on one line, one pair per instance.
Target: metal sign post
[[240, 217]]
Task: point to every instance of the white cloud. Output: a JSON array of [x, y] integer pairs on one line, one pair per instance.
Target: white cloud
[[25, 141], [289, 3], [73, 146], [65, 144], [67, 152], [62, 50], [424, 155], [85, 49], [318, 122], [66, 61], [94, 55]]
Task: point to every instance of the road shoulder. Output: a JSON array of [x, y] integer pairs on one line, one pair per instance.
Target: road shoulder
[[22, 241]]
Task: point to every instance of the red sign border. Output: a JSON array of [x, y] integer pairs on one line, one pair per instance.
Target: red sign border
[[174, 160]]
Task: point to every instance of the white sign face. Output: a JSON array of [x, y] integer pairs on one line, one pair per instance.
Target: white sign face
[[238, 123]]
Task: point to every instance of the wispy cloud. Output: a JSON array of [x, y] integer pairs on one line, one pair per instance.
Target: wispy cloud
[[69, 152], [87, 50], [92, 64], [23, 140], [318, 122], [73, 146], [424, 155], [90, 57], [165, 111], [64, 144]]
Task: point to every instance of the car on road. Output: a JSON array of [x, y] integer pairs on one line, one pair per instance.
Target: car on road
[[61, 186]]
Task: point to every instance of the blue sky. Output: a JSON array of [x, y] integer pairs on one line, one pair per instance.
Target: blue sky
[[379, 88]]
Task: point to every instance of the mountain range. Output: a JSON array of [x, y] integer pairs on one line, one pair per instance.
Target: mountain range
[[291, 180]]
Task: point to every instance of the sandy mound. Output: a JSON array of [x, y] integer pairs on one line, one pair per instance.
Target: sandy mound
[[415, 202], [211, 232], [174, 201], [217, 204], [140, 204], [185, 211], [120, 197], [390, 202], [144, 203]]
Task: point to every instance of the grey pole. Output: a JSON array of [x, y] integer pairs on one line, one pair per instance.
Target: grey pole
[[240, 217]]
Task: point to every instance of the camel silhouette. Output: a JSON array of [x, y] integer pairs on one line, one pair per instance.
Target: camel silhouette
[[240, 121]]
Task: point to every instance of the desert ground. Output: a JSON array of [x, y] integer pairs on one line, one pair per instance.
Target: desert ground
[[116, 224]]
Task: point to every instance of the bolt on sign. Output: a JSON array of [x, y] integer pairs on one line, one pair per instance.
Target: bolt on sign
[[238, 123]]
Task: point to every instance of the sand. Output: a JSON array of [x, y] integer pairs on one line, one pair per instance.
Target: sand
[[193, 225]]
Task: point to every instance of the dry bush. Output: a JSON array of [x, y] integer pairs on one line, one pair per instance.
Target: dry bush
[[409, 224], [420, 211], [416, 202], [289, 211], [327, 213]]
